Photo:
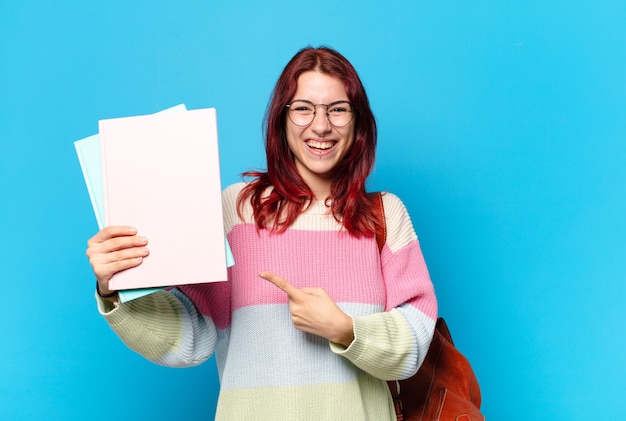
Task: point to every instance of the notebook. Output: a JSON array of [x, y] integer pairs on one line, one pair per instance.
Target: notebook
[[160, 174]]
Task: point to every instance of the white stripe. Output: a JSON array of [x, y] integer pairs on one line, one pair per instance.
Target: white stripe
[[302, 358]]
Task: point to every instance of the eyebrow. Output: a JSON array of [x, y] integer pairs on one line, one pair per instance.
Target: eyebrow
[[330, 103]]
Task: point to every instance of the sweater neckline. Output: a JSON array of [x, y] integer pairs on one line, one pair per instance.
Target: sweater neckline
[[318, 207]]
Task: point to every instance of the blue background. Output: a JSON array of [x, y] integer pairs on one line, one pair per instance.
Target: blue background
[[502, 127]]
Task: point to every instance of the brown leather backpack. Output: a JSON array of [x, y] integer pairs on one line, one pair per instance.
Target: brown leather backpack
[[445, 387]]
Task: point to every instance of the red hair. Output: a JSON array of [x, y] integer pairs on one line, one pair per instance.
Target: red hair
[[289, 195]]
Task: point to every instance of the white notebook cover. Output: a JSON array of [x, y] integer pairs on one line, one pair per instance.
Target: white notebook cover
[[88, 151], [160, 174]]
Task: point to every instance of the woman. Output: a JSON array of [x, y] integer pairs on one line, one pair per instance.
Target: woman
[[314, 317]]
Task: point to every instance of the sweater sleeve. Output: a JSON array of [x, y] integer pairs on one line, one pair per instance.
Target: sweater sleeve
[[393, 344], [179, 327], [165, 327]]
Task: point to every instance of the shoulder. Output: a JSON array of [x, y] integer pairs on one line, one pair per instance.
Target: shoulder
[[400, 230], [230, 195], [229, 204], [394, 207], [232, 192], [392, 202]]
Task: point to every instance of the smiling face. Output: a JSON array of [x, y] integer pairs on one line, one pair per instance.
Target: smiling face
[[319, 146]]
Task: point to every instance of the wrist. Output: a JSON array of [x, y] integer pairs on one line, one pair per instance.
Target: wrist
[[346, 336], [105, 295]]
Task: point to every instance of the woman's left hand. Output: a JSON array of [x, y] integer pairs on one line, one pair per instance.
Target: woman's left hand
[[313, 311]]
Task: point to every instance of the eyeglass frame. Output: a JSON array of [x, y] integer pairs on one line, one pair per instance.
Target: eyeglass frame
[[352, 111]]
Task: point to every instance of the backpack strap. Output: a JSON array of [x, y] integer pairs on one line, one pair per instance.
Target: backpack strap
[[379, 210]]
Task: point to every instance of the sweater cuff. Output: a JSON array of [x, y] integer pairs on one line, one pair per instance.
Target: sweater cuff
[[105, 306], [114, 313], [357, 347], [383, 346]]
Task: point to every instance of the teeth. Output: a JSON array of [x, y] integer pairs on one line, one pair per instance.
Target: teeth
[[319, 145]]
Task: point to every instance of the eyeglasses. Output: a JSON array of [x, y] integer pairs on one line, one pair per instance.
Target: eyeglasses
[[302, 112]]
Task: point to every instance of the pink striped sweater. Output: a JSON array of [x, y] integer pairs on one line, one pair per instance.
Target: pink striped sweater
[[269, 370]]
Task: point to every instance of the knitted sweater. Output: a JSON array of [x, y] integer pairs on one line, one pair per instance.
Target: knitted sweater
[[269, 370]]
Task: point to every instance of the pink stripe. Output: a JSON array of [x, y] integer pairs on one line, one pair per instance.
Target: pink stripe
[[407, 271], [347, 268], [211, 300]]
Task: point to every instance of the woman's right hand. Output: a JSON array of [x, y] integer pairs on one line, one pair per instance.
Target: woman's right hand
[[113, 249]]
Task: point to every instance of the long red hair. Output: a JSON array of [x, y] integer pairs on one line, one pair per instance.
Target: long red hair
[[280, 195]]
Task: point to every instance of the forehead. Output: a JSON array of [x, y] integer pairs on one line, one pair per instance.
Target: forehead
[[320, 88]]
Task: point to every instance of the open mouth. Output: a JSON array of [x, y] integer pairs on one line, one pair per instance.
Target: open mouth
[[320, 147]]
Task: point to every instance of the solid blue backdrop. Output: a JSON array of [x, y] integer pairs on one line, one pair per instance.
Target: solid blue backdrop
[[501, 124]]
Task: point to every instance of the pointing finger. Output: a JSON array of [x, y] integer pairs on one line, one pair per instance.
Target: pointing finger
[[280, 283]]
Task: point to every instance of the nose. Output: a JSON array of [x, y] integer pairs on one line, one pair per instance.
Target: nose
[[321, 124]]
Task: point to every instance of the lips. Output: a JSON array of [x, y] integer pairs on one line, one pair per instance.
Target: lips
[[320, 145]]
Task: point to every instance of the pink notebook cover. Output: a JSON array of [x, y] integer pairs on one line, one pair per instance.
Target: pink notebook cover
[[160, 174]]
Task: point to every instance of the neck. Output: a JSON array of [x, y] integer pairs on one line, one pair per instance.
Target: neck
[[320, 186], [321, 191]]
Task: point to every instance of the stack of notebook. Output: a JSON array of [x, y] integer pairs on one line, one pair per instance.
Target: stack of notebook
[[160, 174]]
